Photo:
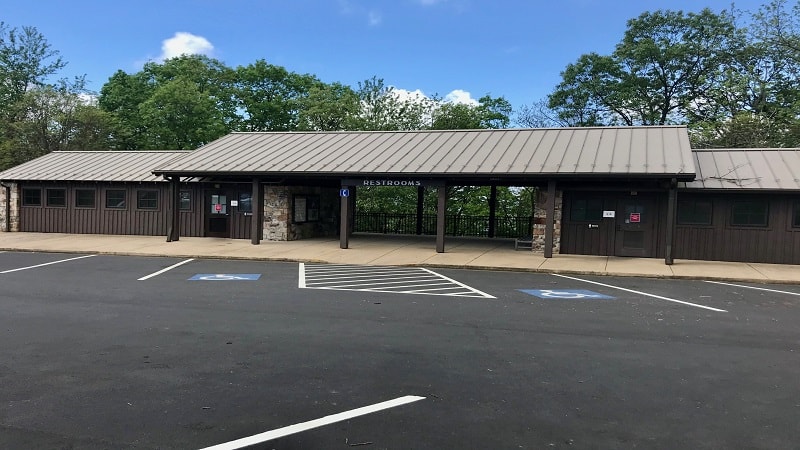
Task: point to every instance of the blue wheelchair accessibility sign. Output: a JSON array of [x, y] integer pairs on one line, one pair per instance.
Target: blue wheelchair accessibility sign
[[225, 277], [567, 294]]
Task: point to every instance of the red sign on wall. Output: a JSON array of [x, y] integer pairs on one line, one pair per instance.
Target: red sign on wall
[[636, 217], [218, 207]]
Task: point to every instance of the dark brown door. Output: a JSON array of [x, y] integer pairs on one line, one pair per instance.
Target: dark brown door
[[217, 214], [635, 235]]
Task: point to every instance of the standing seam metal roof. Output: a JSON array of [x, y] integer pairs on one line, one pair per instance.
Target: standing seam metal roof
[[751, 169], [662, 150], [133, 166]]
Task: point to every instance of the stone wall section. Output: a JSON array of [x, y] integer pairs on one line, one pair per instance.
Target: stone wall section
[[278, 213], [540, 221], [14, 210]]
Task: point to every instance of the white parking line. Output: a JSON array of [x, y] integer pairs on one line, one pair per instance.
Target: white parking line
[[304, 426], [165, 270], [643, 293], [46, 264], [460, 284], [753, 287]]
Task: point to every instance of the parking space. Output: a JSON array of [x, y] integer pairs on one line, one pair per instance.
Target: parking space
[[204, 353]]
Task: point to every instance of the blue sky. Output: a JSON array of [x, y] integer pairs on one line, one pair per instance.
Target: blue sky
[[462, 48]]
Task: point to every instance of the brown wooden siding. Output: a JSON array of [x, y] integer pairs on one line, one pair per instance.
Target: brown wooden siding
[[578, 238], [240, 221], [102, 220], [777, 243]]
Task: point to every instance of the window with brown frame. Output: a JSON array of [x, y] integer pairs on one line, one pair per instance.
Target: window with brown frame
[[31, 197], [146, 199], [115, 199], [750, 213], [84, 198], [694, 212], [186, 200], [796, 216], [586, 210], [56, 198]]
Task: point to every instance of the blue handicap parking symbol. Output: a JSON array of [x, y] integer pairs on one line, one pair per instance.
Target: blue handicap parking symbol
[[225, 277], [566, 294]]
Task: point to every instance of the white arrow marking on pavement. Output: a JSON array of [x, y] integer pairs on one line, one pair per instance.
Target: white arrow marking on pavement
[[304, 426]]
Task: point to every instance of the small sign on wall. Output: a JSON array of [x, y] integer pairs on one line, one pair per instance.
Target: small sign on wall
[[234, 202], [609, 214], [636, 217]]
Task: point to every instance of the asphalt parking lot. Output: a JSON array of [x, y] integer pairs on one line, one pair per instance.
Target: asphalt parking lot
[[152, 353]]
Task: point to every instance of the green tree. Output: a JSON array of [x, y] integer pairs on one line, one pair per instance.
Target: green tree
[[26, 61], [329, 107], [270, 97], [757, 104], [181, 103], [488, 113], [657, 74], [38, 116], [382, 109], [54, 118], [537, 115], [179, 116]]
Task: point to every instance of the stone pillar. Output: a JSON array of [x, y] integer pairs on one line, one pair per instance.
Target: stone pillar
[[9, 207], [540, 221], [276, 213]]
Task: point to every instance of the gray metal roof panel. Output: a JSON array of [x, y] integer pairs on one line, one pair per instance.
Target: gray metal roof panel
[[590, 151], [746, 169], [128, 166]]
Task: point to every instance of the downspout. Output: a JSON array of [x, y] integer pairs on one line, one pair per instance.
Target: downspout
[[8, 205]]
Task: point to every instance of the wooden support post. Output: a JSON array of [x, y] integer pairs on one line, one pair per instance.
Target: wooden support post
[[344, 217], [672, 202], [256, 207], [492, 210], [550, 220], [174, 212], [420, 207], [441, 210]]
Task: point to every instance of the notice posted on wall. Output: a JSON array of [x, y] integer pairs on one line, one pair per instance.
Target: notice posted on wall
[[299, 209]]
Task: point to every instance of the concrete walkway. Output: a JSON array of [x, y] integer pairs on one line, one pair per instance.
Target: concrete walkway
[[463, 253]]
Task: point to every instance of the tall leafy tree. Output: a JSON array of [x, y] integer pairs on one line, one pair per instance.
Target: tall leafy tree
[[664, 63], [383, 109], [54, 118], [329, 107], [757, 104], [488, 113], [26, 61], [38, 115], [270, 97], [181, 103]]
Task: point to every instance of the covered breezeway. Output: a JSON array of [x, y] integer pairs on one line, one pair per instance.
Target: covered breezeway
[[551, 159]]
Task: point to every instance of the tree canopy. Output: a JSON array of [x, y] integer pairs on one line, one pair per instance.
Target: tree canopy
[[732, 79]]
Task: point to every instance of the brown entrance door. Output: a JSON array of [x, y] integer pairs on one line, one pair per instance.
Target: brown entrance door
[[217, 214], [635, 227]]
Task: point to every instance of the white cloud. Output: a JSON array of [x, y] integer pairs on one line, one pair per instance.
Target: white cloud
[[460, 96], [403, 94], [185, 44], [374, 18]]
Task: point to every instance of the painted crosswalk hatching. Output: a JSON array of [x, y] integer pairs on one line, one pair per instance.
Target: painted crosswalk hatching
[[398, 280]]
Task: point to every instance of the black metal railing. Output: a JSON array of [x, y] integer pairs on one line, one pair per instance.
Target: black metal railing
[[455, 225]]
